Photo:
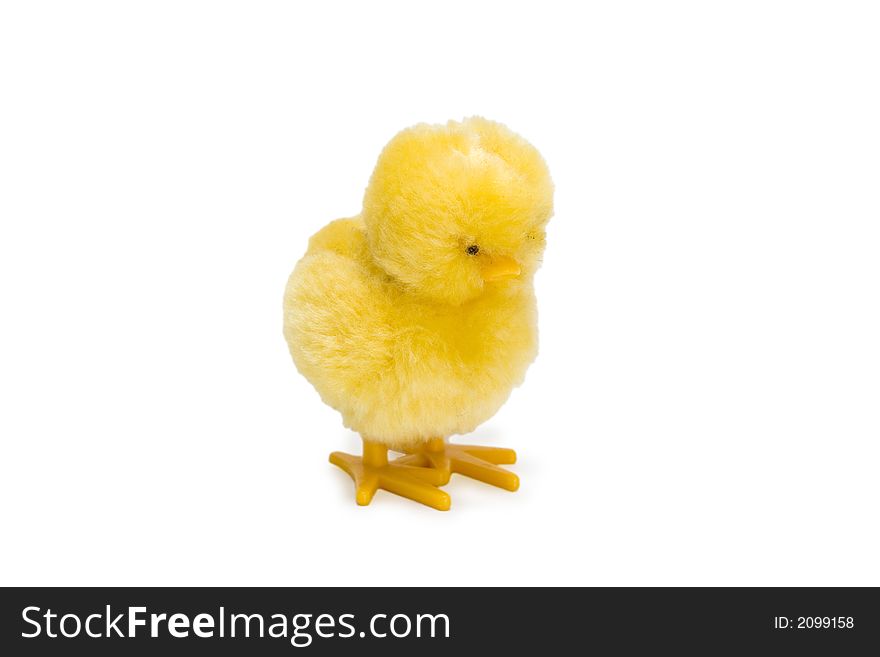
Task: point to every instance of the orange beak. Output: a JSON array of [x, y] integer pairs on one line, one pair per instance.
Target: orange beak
[[500, 268]]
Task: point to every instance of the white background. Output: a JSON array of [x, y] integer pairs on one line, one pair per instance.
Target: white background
[[704, 409]]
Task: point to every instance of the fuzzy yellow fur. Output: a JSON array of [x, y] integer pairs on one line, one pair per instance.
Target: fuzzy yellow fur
[[389, 316]]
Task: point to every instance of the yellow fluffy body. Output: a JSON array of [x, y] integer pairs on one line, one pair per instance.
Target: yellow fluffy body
[[388, 314]]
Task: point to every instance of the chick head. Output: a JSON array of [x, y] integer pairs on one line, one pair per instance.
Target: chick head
[[452, 209]]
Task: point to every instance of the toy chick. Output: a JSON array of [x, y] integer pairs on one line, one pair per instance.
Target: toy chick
[[416, 318]]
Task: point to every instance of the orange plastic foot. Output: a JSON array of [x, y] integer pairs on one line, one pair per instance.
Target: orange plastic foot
[[372, 471], [472, 461]]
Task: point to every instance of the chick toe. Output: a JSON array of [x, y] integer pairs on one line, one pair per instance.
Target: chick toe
[[372, 472], [474, 461]]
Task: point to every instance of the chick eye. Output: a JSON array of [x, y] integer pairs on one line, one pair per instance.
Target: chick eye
[[473, 249]]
